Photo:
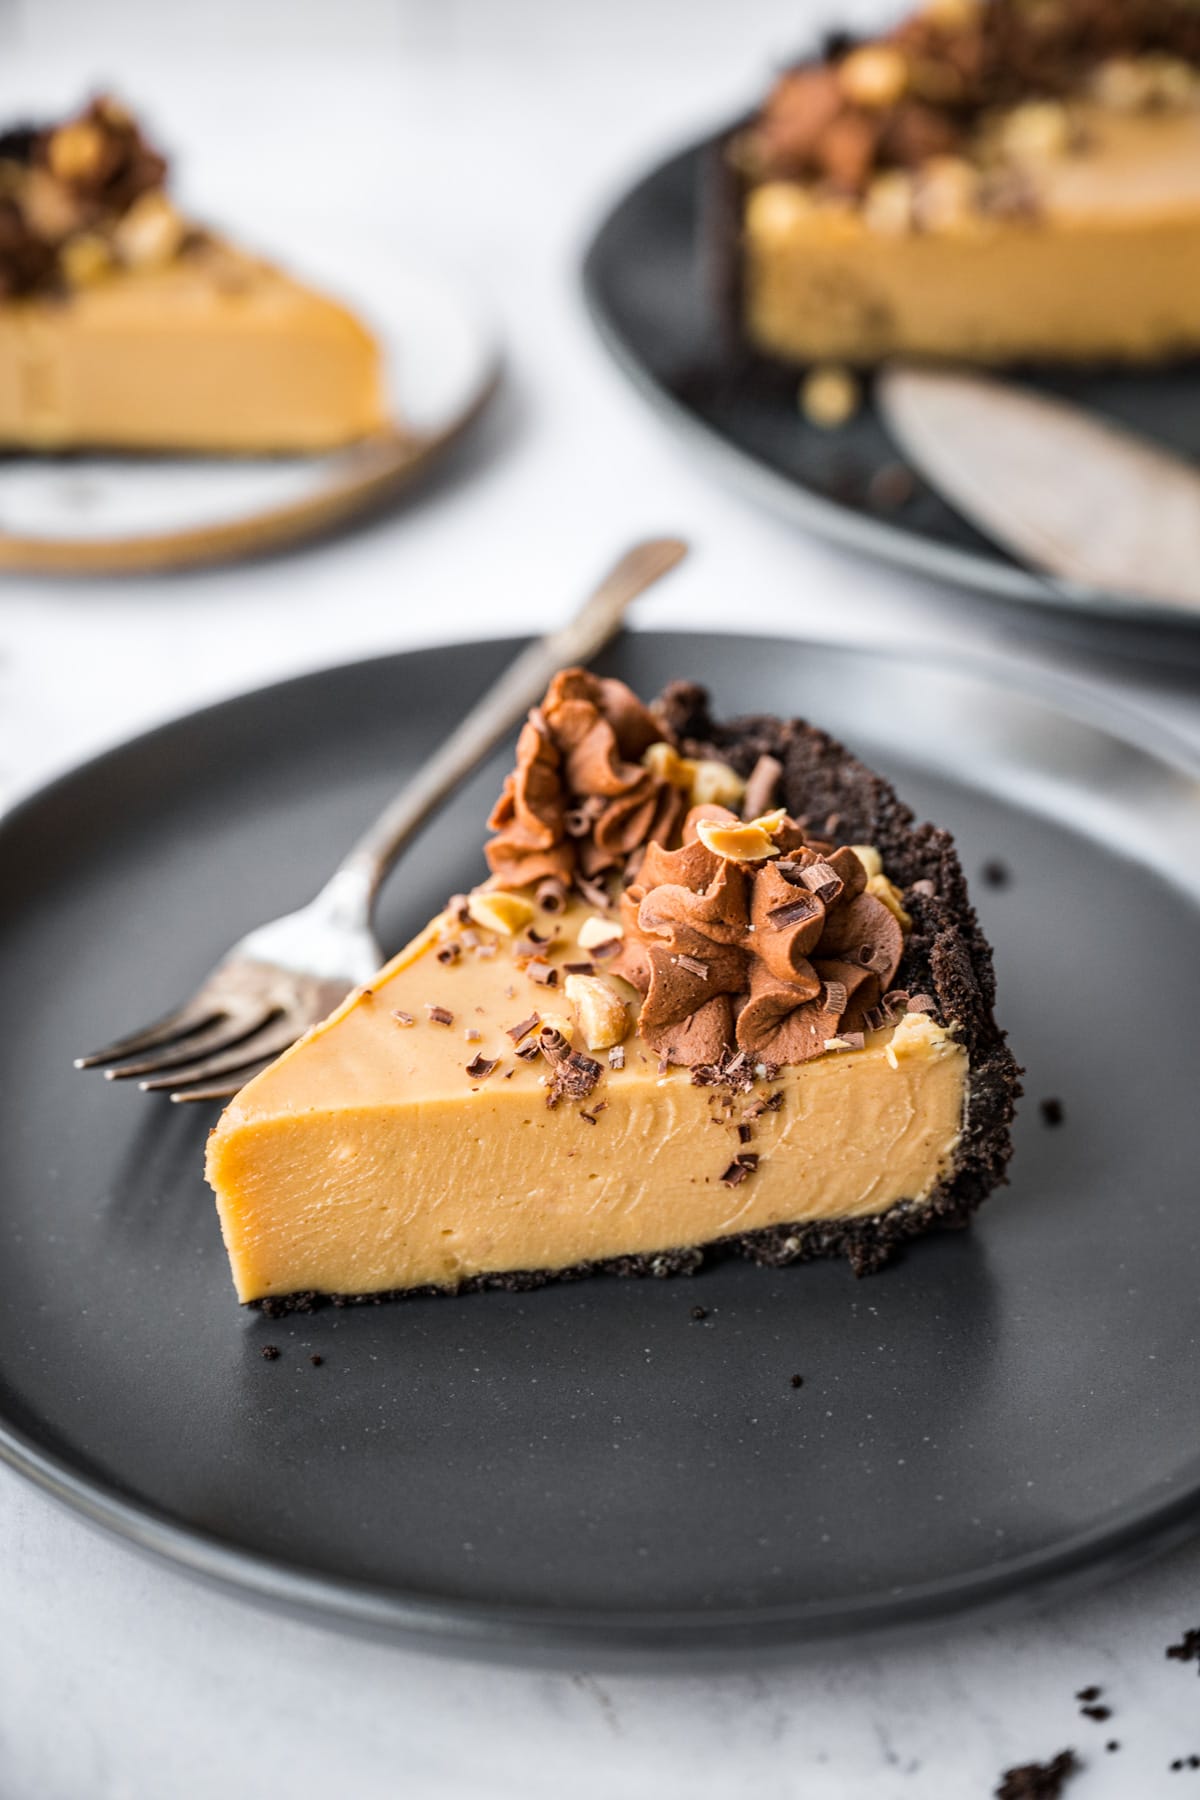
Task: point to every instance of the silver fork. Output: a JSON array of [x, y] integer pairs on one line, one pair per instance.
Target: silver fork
[[286, 975]]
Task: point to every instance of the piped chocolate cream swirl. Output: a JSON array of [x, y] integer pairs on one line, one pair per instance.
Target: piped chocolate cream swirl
[[776, 956], [580, 801]]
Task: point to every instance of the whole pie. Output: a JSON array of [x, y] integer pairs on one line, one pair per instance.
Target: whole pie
[[126, 326], [720, 992], [991, 180]]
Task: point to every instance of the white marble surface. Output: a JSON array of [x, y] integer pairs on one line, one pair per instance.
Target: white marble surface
[[485, 139]]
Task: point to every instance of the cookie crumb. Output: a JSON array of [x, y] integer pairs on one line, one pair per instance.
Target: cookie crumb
[[316, 1360], [699, 1312], [996, 873], [1188, 1647], [797, 1381], [1096, 1712], [1051, 1111], [891, 487], [269, 1352], [1038, 1781]]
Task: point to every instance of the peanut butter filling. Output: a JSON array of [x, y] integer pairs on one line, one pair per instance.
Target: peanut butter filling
[[425, 1133]]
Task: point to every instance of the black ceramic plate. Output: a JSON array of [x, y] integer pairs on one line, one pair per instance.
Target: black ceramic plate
[[589, 1470], [648, 279]]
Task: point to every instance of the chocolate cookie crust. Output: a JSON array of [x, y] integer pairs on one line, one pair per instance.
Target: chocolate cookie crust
[[838, 798]]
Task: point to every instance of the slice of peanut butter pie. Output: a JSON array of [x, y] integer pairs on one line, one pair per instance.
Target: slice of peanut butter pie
[[719, 992]]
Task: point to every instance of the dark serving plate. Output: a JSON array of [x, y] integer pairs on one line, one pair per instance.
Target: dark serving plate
[[653, 283], [588, 1472]]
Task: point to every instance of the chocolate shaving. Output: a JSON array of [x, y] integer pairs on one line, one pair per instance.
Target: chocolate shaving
[[459, 908], [608, 948], [594, 893], [795, 912], [482, 1066], [403, 1018], [734, 1073], [574, 1078], [694, 966], [616, 1057], [517, 1032], [761, 787], [542, 973], [530, 1051], [581, 968], [922, 1003], [821, 880], [846, 1040], [551, 895], [552, 1044], [835, 996], [742, 1166], [439, 1015], [448, 953], [744, 1133], [470, 1035]]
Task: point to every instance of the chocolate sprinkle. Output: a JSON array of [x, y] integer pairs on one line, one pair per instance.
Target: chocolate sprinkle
[[1089, 1693], [439, 1015], [741, 1166], [482, 1066], [1096, 1712]]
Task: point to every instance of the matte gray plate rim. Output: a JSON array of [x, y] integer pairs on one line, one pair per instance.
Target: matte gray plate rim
[[533, 1634], [826, 518]]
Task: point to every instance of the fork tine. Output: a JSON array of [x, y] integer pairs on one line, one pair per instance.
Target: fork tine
[[224, 1089], [230, 1029], [261, 1046], [176, 1025]]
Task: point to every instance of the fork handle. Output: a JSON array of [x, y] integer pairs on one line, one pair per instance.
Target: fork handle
[[489, 722]]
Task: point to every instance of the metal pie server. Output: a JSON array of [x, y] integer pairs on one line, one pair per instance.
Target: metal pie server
[[1082, 500]]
